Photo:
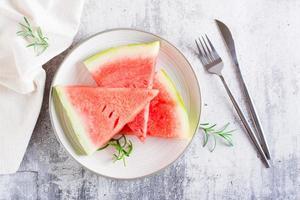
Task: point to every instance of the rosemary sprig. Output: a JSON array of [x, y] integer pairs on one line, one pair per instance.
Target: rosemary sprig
[[35, 37], [209, 130], [122, 146]]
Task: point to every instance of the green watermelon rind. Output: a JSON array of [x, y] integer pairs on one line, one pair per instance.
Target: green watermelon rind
[[93, 61], [182, 111], [173, 88], [78, 138]]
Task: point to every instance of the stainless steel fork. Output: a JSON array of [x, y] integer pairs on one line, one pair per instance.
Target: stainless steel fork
[[214, 64]]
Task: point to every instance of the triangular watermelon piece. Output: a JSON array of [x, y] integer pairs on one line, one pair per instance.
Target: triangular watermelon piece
[[168, 117], [130, 66], [94, 115]]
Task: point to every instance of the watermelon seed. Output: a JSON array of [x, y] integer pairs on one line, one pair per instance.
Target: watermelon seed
[[110, 114], [103, 109], [145, 83], [116, 122]]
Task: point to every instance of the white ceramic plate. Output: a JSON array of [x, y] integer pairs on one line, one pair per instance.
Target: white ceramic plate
[[156, 153]]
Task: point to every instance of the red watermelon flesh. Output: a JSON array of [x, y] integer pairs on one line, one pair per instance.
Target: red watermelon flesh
[[167, 117], [94, 115], [130, 66]]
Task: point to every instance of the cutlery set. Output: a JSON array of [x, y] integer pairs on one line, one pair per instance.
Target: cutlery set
[[213, 63]]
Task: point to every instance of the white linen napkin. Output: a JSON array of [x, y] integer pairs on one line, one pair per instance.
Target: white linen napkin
[[22, 78]]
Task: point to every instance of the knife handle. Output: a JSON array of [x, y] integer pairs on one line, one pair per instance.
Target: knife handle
[[251, 134], [254, 116]]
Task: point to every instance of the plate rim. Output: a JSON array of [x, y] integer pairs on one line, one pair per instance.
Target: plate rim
[[136, 30]]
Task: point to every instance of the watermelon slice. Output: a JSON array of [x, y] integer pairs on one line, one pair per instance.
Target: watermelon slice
[[94, 115], [130, 66], [167, 117]]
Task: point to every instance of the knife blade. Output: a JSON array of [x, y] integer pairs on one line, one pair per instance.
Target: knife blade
[[226, 34], [229, 43]]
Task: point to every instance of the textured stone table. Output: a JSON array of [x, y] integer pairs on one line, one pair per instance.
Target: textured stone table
[[268, 37]]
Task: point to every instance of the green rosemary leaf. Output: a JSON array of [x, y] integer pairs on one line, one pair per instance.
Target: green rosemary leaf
[[222, 130], [104, 147], [206, 137], [204, 124], [25, 27], [211, 127], [129, 149], [39, 32], [26, 21], [214, 145], [35, 37], [125, 141], [124, 162], [209, 130], [32, 44], [20, 32], [123, 148], [227, 139]]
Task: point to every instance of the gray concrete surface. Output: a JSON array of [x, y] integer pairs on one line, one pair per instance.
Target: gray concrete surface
[[267, 34]]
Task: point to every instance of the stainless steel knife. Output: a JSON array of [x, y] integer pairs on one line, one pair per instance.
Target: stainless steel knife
[[229, 42]]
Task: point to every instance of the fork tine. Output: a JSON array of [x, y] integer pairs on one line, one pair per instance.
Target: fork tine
[[200, 51], [210, 44], [201, 56], [210, 54], [206, 54], [212, 47]]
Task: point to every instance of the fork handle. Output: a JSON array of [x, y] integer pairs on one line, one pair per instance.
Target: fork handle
[[246, 124]]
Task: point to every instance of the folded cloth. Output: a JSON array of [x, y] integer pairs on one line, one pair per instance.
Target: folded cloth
[[22, 77]]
